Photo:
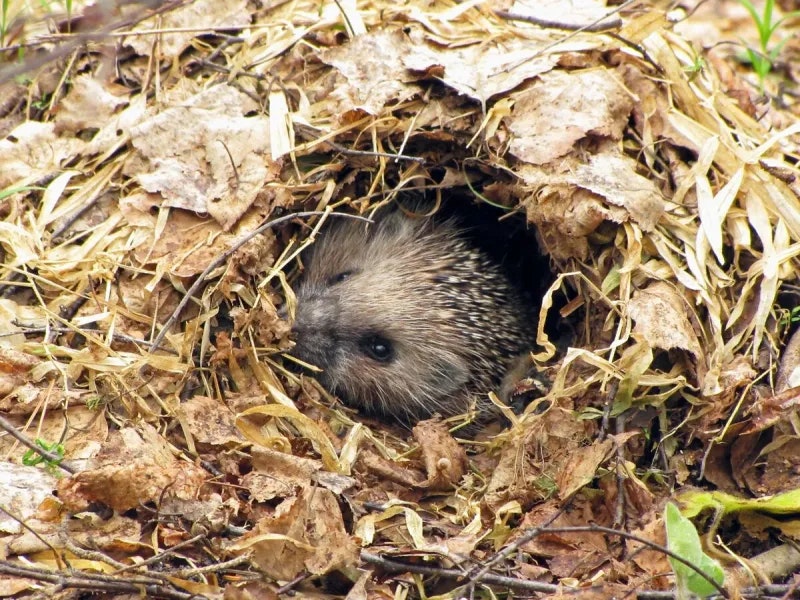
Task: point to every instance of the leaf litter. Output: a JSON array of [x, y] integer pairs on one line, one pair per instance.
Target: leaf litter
[[661, 187]]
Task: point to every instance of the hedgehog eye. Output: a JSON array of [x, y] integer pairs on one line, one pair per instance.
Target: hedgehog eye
[[377, 347], [339, 277]]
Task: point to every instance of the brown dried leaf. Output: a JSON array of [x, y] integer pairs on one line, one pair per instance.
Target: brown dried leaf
[[218, 166], [390, 470], [529, 464], [608, 189], [565, 217], [213, 15], [15, 367], [211, 513], [33, 151], [185, 247], [23, 490], [613, 176], [569, 554], [766, 465], [132, 468], [445, 461], [661, 318], [561, 108], [789, 367], [278, 474], [480, 70], [763, 525], [11, 585], [306, 534], [651, 560], [770, 410], [209, 422], [89, 104], [582, 467], [371, 66], [116, 534]]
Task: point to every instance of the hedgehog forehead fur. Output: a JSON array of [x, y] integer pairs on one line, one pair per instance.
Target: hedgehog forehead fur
[[406, 317]]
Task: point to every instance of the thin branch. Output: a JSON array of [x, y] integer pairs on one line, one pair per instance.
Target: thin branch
[[509, 582], [94, 583], [11, 429], [536, 531]]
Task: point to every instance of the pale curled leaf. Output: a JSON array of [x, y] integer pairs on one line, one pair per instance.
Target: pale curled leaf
[[561, 108], [660, 313], [305, 426], [366, 527]]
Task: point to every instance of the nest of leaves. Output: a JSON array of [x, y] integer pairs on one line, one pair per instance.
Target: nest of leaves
[[154, 165]]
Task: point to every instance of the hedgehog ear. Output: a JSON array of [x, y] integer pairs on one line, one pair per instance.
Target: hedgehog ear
[[450, 373]]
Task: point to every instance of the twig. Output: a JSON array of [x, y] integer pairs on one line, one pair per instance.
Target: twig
[[598, 25], [156, 558], [287, 587], [350, 152], [475, 575], [310, 134], [619, 512], [9, 428], [118, 337], [93, 582], [509, 582], [93, 555], [536, 531], [81, 39], [594, 27], [228, 564]]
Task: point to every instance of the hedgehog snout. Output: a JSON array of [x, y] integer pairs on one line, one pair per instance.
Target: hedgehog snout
[[314, 328]]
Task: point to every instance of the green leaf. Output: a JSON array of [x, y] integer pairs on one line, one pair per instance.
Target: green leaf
[[752, 10], [611, 282], [695, 502], [682, 539]]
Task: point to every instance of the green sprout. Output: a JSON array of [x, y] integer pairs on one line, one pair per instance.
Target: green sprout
[[790, 317], [32, 458], [4, 6], [763, 59]]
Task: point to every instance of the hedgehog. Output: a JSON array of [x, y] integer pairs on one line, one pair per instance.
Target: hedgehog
[[407, 318]]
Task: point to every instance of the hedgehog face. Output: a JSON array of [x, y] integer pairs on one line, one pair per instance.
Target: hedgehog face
[[388, 312]]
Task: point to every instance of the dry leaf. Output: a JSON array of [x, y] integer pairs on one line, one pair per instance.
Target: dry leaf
[[133, 467], [278, 475], [582, 467], [660, 313], [89, 104], [614, 177], [33, 151], [369, 67], [218, 166], [480, 70], [209, 422], [23, 490], [306, 534], [445, 461], [213, 15], [560, 109]]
